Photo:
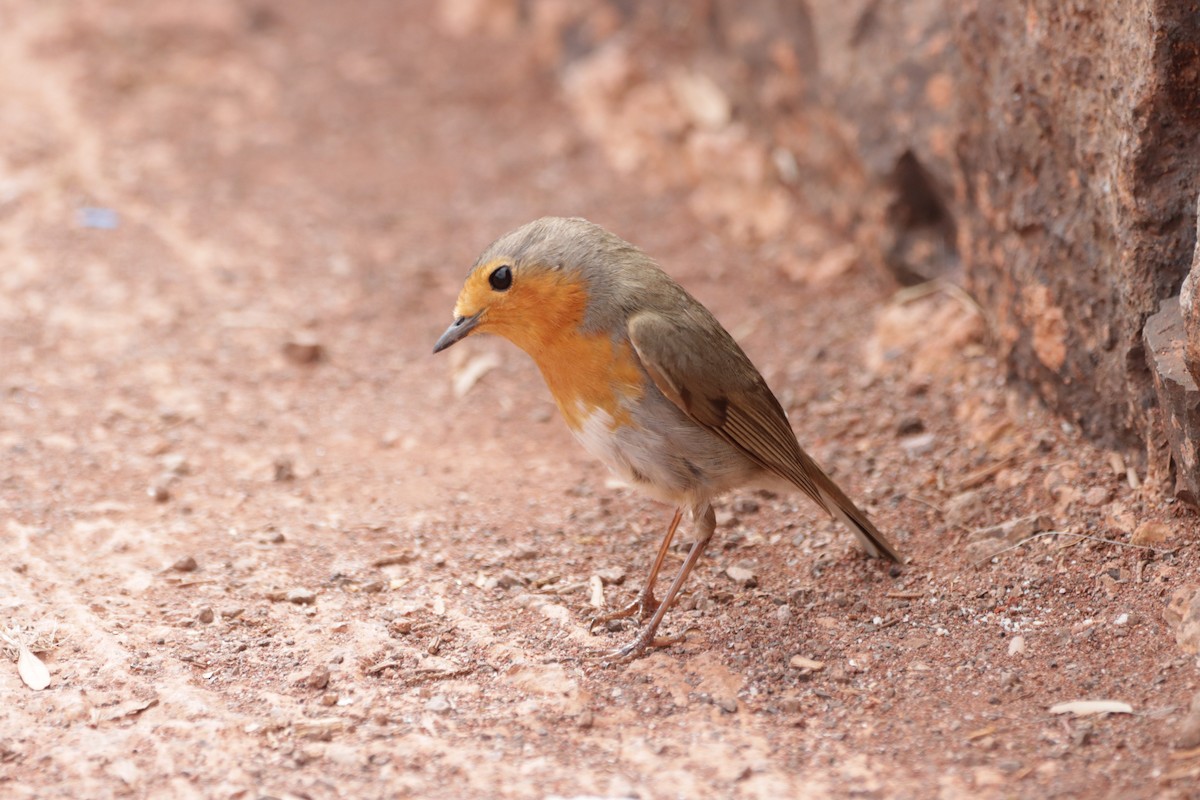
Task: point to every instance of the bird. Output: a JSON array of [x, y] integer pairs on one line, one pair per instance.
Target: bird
[[648, 381]]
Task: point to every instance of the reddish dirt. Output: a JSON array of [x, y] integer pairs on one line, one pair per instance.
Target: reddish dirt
[[284, 172]]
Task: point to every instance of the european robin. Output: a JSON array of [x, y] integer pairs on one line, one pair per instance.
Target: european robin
[[647, 380]]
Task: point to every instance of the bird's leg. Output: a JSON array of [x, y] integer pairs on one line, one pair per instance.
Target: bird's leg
[[644, 603], [705, 524]]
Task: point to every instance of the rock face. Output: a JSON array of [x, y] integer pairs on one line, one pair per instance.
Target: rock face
[[1178, 396], [1050, 151], [1053, 148], [1080, 165], [1182, 615]]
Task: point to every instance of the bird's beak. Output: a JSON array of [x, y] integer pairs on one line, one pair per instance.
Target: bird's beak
[[459, 330]]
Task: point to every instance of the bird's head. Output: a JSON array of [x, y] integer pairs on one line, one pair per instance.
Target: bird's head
[[533, 284]]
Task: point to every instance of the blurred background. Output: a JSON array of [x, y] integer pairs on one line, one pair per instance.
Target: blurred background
[[266, 544]]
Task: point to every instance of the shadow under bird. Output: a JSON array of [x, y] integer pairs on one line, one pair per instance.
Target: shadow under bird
[[647, 380]]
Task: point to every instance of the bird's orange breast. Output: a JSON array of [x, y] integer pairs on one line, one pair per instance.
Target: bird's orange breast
[[590, 373], [586, 372]]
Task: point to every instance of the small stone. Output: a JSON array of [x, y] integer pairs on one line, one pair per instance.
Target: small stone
[[158, 492], [374, 587], [1016, 645], [303, 348], [526, 554], [176, 464], [909, 426], [806, 665], [232, 612], [612, 576], [745, 505], [508, 580], [318, 678], [918, 445], [1151, 532], [741, 575], [285, 470], [329, 699], [322, 729], [784, 615], [1182, 614], [304, 597], [1119, 517], [960, 510], [1187, 734], [438, 705], [702, 100], [1097, 495], [392, 559], [206, 615], [185, 564], [791, 705]]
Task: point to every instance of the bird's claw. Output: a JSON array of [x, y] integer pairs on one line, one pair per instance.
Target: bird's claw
[[642, 607], [638, 647]]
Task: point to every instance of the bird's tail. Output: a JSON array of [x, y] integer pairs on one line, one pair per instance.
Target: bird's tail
[[850, 515]]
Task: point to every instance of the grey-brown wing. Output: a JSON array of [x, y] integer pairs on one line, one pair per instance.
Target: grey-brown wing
[[706, 374]]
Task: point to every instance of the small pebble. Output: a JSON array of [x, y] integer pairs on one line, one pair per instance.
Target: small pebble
[[745, 505], [206, 615], [318, 678], [1187, 735], [611, 576], [159, 492], [285, 470], [919, 445], [806, 664], [438, 704], [176, 464], [742, 576], [508, 580], [301, 596], [303, 348], [185, 564], [791, 705]]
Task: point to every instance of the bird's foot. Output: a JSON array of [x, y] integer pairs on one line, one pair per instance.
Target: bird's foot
[[642, 607], [638, 647]]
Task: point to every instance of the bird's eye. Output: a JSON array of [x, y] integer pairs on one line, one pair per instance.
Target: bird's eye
[[501, 278]]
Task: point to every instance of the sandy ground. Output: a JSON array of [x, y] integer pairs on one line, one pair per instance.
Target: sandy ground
[[369, 574]]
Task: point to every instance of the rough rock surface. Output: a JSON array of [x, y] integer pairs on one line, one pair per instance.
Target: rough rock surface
[[1080, 157], [1178, 397], [1053, 150]]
